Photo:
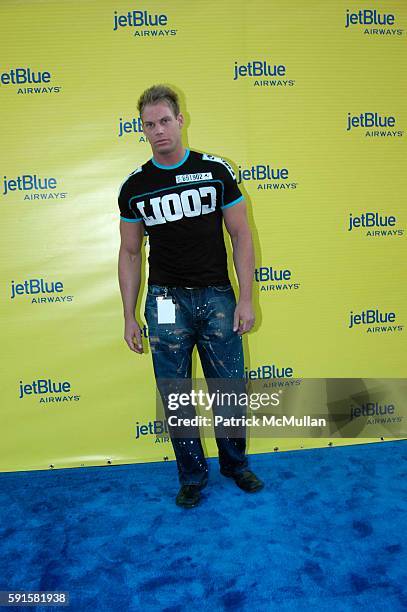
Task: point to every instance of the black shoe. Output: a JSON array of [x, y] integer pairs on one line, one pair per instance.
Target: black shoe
[[188, 496], [248, 481]]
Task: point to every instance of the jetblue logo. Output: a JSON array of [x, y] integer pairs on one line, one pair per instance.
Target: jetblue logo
[[374, 121], [131, 126], [48, 390], [368, 17], [155, 428], [175, 206], [42, 291], [273, 279], [261, 68], [375, 320], [39, 188], [374, 221], [265, 372], [144, 23], [41, 79], [144, 331], [381, 413], [372, 17], [266, 177]]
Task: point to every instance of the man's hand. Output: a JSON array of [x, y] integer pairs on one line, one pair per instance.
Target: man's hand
[[244, 317], [132, 335]]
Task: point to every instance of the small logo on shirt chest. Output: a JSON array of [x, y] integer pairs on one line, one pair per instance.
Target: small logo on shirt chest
[[188, 178]]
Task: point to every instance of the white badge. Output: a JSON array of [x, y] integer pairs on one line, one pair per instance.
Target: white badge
[[165, 310]]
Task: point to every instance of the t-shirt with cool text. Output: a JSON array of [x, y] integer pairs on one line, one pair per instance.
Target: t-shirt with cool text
[[181, 207]]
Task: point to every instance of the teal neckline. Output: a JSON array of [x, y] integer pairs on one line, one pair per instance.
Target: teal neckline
[[172, 167]]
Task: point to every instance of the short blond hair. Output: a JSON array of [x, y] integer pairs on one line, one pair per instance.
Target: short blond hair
[[159, 93]]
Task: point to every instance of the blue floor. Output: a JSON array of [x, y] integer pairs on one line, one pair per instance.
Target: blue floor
[[328, 533]]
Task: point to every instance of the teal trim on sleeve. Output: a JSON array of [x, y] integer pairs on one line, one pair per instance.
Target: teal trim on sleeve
[[232, 203], [130, 220]]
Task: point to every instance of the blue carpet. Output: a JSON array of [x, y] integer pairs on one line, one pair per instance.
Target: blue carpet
[[328, 532]]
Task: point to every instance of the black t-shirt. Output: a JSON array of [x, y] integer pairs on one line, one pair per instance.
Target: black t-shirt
[[181, 209]]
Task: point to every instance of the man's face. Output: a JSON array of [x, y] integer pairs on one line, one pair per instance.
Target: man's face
[[162, 128]]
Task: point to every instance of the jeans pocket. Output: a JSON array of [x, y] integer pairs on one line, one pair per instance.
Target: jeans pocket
[[155, 290], [151, 301], [222, 288]]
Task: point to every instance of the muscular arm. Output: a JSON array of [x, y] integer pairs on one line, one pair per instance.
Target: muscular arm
[[236, 223], [129, 269]]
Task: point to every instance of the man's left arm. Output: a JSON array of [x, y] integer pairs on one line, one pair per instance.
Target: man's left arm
[[236, 223]]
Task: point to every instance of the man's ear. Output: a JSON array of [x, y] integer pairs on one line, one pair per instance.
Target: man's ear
[[180, 120]]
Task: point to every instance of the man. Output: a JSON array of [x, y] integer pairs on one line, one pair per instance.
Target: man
[[181, 197]]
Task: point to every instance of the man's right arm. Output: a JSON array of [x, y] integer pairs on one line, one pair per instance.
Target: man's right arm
[[129, 280]]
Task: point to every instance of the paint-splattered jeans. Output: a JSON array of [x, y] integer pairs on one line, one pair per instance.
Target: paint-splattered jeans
[[203, 317]]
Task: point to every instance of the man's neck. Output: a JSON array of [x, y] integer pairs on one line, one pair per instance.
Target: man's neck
[[170, 159]]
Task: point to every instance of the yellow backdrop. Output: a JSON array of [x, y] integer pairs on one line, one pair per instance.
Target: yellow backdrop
[[306, 100]]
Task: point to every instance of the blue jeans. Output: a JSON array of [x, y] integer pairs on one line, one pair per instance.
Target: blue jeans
[[203, 317]]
